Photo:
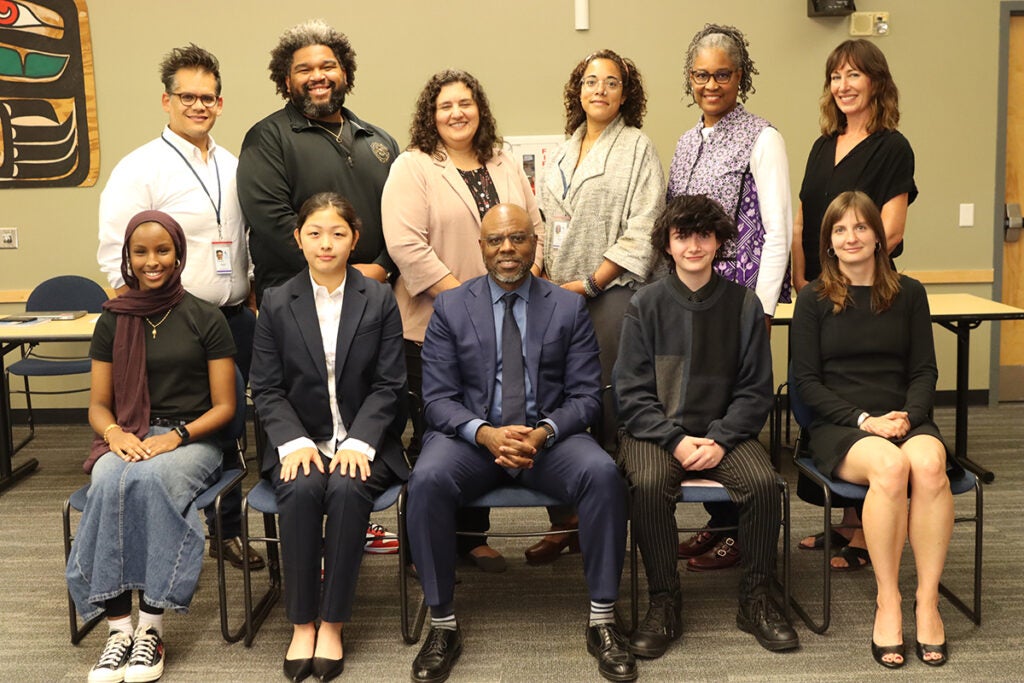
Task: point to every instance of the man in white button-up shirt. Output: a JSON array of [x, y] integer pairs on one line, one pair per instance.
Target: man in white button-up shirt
[[186, 175]]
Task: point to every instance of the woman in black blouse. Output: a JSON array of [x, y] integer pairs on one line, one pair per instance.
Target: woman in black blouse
[[864, 363], [859, 149]]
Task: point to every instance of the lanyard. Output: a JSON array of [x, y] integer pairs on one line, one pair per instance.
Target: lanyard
[[216, 169]]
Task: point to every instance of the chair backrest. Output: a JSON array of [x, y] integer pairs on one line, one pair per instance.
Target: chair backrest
[[801, 412], [66, 293]]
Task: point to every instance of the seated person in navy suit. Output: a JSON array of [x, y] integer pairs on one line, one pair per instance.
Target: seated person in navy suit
[[328, 381], [511, 381], [694, 385]]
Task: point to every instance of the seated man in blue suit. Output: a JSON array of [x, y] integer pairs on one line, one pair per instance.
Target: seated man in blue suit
[[511, 381]]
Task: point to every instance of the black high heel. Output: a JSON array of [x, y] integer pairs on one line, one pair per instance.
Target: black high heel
[[924, 648], [298, 669], [880, 651]]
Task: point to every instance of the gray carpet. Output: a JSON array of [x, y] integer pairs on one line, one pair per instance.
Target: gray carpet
[[527, 624]]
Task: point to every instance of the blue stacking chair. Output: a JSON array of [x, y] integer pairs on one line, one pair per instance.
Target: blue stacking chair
[[960, 480], [232, 435], [62, 293]]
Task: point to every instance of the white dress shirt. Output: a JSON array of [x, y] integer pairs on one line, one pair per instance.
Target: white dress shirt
[[328, 313], [160, 176]]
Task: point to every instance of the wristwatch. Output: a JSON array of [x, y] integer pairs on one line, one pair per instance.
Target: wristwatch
[[549, 441], [183, 433]]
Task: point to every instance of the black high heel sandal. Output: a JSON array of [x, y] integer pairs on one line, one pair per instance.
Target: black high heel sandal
[[881, 651], [924, 648]]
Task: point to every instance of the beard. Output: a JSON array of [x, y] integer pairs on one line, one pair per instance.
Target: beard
[[308, 107], [513, 278]]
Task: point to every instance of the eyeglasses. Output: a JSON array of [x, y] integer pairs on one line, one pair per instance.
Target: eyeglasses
[[592, 82], [721, 76], [188, 99], [517, 239]]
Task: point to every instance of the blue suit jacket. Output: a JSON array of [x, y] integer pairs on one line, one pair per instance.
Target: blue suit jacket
[[289, 369], [460, 357]]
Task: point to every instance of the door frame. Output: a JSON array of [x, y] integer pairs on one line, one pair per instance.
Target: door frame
[[1007, 9]]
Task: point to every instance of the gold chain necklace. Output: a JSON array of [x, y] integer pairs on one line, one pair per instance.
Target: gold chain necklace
[[336, 136], [159, 323]]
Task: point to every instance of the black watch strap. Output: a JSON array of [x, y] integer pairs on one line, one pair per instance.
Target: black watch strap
[[183, 433]]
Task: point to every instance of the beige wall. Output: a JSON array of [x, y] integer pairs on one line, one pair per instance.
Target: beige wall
[[943, 54]]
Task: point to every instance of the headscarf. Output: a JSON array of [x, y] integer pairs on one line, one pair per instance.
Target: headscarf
[[131, 385]]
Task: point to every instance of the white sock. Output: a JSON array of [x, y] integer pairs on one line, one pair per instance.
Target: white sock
[[123, 624], [151, 621]]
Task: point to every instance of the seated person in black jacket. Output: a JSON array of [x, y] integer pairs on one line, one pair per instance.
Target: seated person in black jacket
[[694, 385]]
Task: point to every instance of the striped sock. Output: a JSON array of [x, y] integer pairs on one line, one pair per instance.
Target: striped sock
[[443, 616], [602, 613]]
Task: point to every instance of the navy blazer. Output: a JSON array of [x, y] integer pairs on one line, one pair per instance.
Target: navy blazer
[[460, 357], [289, 369]]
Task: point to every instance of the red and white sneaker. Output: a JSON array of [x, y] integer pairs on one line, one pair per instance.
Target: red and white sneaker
[[380, 541]]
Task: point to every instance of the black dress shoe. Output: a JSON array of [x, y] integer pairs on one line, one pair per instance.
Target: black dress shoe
[[232, 550], [662, 624], [298, 669], [614, 660], [759, 616], [434, 662], [328, 669]]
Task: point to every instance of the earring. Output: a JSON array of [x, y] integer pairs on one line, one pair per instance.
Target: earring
[[177, 263], [830, 251], [878, 246]]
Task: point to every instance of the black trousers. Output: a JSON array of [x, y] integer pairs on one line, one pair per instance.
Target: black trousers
[[302, 504], [654, 476]]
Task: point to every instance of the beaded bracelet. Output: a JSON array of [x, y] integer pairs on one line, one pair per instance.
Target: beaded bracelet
[[591, 288]]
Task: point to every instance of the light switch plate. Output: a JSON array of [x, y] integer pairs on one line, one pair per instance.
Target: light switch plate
[[8, 238]]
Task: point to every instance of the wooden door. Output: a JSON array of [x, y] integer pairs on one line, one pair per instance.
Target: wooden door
[[1011, 346]]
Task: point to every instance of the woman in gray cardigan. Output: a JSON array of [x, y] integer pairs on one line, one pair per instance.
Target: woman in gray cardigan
[[600, 197]]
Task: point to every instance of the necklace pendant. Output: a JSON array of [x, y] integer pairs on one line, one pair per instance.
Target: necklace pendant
[[154, 333]]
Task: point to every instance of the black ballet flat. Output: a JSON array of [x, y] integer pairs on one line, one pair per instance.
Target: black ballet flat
[[298, 669], [923, 649], [328, 669], [880, 651]]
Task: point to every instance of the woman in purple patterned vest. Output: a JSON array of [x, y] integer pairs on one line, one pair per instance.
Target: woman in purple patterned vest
[[739, 160]]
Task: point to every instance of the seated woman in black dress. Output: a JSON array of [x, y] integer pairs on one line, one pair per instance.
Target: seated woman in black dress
[[864, 363], [328, 381]]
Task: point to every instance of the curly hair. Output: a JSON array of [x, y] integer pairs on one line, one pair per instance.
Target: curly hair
[[834, 285], [864, 56], [189, 57], [328, 200], [312, 32], [423, 133], [730, 40], [687, 214], [634, 101]]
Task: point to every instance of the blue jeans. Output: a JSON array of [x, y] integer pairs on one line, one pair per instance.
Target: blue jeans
[[139, 529]]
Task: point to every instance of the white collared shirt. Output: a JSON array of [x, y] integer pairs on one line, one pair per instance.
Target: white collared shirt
[[328, 313], [155, 176]]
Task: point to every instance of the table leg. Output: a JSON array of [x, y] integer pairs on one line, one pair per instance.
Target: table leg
[[962, 330], [8, 474]]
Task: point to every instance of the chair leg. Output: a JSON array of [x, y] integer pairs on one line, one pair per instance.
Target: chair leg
[[256, 615], [826, 570], [410, 632], [77, 633], [973, 614]]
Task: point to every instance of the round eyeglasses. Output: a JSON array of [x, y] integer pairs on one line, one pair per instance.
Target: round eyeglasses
[[188, 99]]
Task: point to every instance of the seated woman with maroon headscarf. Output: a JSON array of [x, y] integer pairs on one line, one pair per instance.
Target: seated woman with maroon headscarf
[[163, 384]]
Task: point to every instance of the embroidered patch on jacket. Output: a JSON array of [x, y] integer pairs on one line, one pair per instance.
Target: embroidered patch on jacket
[[381, 151]]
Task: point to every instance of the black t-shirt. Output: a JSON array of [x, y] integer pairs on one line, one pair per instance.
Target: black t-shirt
[[881, 166], [176, 360]]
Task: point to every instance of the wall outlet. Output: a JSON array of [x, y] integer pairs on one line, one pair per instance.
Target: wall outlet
[[8, 238], [967, 215], [869, 24]]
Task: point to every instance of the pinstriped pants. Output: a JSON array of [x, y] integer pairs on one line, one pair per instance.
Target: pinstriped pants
[[654, 476]]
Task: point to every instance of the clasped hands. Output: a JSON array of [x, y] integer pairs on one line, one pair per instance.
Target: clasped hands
[[893, 425], [512, 445], [346, 461], [697, 453], [131, 448]]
